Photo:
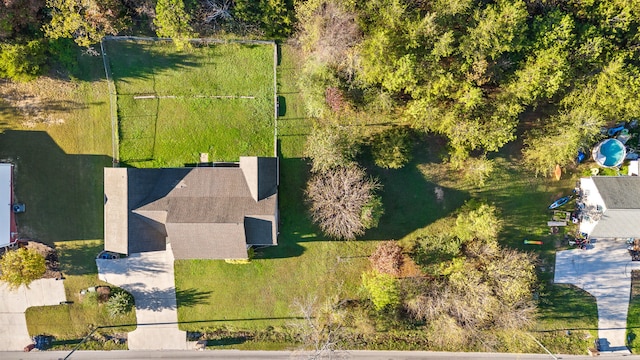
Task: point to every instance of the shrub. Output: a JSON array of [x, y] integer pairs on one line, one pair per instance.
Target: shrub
[[391, 149], [22, 62], [314, 81], [120, 303], [21, 267], [382, 288], [388, 258], [64, 52], [329, 147]]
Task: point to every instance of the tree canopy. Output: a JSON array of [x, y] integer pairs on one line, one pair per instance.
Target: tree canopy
[[21, 267]]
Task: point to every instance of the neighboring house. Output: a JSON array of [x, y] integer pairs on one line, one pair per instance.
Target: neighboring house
[[611, 206], [198, 213], [8, 229]]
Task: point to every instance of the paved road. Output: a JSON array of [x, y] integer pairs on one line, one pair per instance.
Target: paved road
[[13, 303], [605, 272], [149, 278], [279, 355]]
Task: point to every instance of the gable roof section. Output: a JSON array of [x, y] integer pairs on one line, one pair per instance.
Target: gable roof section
[[207, 241], [261, 175], [205, 213], [619, 192], [617, 223]]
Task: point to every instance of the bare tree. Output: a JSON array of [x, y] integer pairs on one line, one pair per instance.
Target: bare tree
[[387, 258], [339, 200], [215, 10], [329, 33], [320, 329]]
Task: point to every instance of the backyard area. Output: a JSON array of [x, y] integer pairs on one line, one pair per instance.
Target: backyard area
[[172, 106]]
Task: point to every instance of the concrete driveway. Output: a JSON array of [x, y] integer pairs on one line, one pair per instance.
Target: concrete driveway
[[13, 303], [149, 278], [605, 272]]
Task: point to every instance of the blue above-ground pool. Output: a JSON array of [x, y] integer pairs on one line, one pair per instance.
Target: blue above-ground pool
[[609, 153]]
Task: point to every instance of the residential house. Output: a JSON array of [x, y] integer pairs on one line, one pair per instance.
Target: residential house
[[214, 212], [610, 206]]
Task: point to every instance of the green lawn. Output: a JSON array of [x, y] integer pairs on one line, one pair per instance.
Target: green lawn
[[58, 135], [187, 119], [633, 317], [59, 176], [260, 294]]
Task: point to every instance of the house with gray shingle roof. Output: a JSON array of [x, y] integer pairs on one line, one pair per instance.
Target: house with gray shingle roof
[[611, 206], [199, 213]]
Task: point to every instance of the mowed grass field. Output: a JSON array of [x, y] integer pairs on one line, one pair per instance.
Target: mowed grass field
[[216, 99], [57, 134], [305, 264]]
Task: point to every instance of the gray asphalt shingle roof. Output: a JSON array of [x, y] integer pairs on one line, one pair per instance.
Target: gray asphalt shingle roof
[[204, 212], [621, 198], [619, 192]]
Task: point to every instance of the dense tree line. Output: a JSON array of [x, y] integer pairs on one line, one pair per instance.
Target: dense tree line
[[37, 34], [472, 70]]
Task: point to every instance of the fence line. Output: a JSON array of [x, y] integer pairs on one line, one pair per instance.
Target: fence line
[[275, 99], [113, 107], [204, 41], [146, 97]]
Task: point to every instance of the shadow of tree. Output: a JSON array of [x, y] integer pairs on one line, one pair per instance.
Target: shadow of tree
[[159, 299], [192, 297], [141, 59], [78, 257], [62, 192]]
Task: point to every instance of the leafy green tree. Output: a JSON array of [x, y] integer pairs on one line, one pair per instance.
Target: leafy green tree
[[330, 147], [560, 140], [86, 21], [382, 288], [21, 267], [613, 94], [391, 149], [22, 62], [172, 21], [477, 221], [499, 28], [274, 17]]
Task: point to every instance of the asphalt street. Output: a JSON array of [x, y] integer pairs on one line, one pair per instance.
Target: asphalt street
[[279, 355]]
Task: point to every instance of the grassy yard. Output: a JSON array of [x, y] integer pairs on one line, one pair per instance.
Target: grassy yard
[[260, 294], [70, 323], [186, 117], [60, 151], [633, 317], [58, 135]]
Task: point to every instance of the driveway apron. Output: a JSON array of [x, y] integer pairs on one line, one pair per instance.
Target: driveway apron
[[604, 270], [149, 278], [13, 303]]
